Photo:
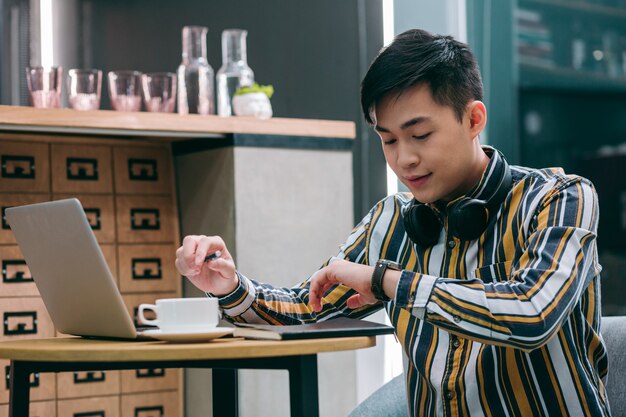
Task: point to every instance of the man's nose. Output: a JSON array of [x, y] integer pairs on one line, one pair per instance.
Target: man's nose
[[407, 156]]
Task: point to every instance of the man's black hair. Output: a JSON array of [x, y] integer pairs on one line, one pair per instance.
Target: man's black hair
[[419, 57]]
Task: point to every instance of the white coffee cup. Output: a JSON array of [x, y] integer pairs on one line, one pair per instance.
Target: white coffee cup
[[176, 315]]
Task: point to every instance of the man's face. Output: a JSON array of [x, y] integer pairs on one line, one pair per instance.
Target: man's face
[[431, 152]]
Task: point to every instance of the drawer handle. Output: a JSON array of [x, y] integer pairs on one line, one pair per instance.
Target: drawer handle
[[15, 271], [15, 327], [82, 169], [34, 378], [93, 217], [18, 167], [156, 411], [145, 219], [142, 169], [5, 225], [90, 376], [91, 414], [146, 268], [150, 373]]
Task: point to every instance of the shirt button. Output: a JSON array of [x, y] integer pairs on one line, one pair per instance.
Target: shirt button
[[456, 319], [451, 244], [411, 299], [449, 395], [456, 343]]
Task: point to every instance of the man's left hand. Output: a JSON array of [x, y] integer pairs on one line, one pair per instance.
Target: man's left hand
[[356, 276]]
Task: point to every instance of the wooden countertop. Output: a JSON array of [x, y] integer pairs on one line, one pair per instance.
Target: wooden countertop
[[170, 125], [76, 349]]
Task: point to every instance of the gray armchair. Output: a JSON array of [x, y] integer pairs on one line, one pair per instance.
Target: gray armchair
[[390, 399]]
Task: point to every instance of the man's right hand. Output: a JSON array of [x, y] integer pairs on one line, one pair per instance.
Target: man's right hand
[[219, 276]]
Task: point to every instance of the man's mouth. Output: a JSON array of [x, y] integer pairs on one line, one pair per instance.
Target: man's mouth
[[417, 180]]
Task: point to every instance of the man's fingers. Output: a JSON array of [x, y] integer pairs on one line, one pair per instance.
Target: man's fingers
[[204, 244], [356, 301], [190, 243], [184, 269]]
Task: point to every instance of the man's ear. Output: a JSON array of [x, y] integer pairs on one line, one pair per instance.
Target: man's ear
[[477, 113]]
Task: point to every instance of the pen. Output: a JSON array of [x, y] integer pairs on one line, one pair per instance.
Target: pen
[[213, 256]]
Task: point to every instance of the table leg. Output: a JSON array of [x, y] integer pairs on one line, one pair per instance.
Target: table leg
[[225, 392], [303, 393], [20, 389]]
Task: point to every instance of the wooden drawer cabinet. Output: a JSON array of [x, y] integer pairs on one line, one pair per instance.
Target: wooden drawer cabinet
[[89, 407], [12, 199], [24, 167], [147, 268], [81, 169], [25, 318], [37, 409], [147, 219], [42, 385], [142, 170], [126, 190], [87, 383], [17, 280], [160, 404], [100, 212]]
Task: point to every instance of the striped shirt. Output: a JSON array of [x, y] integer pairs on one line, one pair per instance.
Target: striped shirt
[[504, 325]]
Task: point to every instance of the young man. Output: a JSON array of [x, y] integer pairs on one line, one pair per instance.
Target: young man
[[494, 287]]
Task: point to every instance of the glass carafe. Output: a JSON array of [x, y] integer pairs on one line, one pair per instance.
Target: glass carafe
[[234, 72], [195, 75]]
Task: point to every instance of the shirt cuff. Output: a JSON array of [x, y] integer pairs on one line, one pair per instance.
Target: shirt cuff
[[413, 291], [238, 301]]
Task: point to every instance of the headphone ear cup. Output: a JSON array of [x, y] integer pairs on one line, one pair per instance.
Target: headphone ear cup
[[422, 224], [467, 219]]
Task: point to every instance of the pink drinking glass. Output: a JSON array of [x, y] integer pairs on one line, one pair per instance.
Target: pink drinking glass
[[159, 91], [84, 88], [125, 90], [44, 86]]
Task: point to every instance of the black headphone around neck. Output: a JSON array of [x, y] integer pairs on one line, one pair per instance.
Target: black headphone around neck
[[467, 218]]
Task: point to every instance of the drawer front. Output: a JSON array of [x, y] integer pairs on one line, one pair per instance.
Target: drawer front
[[87, 383], [160, 404], [11, 200], [100, 212], [37, 409], [147, 268], [142, 170], [42, 385], [24, 318], [89, 407], [24, 166], [16, 277], [132, 304], [145, 219], [81, 169]]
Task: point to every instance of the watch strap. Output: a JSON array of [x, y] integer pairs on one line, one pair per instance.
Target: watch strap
[[377, 281]]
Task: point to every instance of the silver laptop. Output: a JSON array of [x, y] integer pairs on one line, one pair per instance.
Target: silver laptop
[[69, 269]]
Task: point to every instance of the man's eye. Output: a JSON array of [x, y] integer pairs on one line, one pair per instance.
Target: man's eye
[[424, 136], [389, 142]]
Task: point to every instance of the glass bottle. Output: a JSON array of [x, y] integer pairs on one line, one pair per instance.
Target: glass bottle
[[234, 72], [195, 75]]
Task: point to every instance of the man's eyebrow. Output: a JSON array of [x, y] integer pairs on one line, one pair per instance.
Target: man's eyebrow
[[414, 121]]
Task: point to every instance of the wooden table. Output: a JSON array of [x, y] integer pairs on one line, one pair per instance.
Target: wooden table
[[224, 356]]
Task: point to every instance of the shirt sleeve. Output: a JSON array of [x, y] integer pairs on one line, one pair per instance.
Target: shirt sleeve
[[256, 302], [558, 262]]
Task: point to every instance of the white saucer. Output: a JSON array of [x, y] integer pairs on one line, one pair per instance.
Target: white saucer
[[187, 336]]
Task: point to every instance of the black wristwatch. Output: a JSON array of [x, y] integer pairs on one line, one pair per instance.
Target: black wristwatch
[[379, 274]]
